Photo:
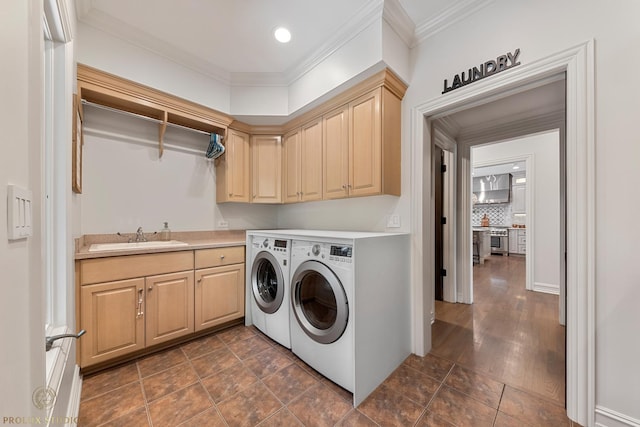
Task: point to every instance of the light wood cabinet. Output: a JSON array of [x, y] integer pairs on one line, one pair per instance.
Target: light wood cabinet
[[361, 151], [112, 313], [169, 306], [266, 167], [130, 303], [232, 169], [220, 286], [219, 295], [303, 163]]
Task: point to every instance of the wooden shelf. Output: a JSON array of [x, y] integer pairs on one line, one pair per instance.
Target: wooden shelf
[[105, 89]]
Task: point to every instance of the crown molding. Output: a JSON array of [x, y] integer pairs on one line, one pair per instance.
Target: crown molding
[[369, 14], [457, 12], [400, 21], [121, 30]]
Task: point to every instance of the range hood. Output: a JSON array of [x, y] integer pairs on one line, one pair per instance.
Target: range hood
[[492, 189]]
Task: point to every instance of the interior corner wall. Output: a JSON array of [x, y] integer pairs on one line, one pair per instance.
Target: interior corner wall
[[22, 364], [540, 29], [116, 56], [545, 148]]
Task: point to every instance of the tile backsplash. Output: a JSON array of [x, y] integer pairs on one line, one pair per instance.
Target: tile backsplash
[[498, 214]]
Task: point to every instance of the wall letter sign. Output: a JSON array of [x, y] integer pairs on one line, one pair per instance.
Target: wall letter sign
[[501, 63]]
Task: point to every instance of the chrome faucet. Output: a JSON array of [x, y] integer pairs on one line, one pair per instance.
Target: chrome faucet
[[140, 235]]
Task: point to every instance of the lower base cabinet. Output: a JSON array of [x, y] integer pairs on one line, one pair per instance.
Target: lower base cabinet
[[124, 314], [169, 305], [112, 313], [219, 295]]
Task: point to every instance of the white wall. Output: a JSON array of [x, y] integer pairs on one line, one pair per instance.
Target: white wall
[[544, 149], [22, 367], [540, 29], [126, 185]]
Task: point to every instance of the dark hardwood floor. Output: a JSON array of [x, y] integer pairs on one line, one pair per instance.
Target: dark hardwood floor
[[508, 333]]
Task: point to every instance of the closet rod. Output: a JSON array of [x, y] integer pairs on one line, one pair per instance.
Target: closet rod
[[140, 116]]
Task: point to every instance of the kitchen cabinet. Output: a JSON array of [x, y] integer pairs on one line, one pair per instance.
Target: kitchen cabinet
[[518, 241], [132, 302], [232, 169], [361, 150], [112, 313], [303, 163], [519, 193], [266, 169], [220, 286], [169, 307]]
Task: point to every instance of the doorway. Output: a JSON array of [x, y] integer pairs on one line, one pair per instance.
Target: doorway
[[577, 63]]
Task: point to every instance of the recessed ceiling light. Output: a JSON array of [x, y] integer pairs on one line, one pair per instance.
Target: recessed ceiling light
[[516, 167], [282, 35]]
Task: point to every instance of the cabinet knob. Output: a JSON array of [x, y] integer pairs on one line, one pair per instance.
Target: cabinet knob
[[221, 257], [344, 187], [150, 288], [230, 194]]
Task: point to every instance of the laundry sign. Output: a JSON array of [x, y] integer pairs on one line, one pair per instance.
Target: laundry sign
[[488, 68]]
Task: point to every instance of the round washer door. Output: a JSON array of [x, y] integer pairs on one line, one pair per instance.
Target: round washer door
[[319, 302], [267, 282]]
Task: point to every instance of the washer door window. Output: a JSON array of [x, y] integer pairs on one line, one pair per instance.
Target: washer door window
[[267, 282], [319, 302]]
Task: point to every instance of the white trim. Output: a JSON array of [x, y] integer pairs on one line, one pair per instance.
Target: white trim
[[73, 409], [546, 288], [578, 63], [606, 417], [457, 12]]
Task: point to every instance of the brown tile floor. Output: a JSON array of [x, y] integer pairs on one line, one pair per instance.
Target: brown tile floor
[[239, 377]]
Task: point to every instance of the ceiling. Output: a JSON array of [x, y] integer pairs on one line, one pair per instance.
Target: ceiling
[[227, 37]]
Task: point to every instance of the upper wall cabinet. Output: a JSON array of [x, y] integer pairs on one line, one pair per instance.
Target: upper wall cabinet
[[232, 169], [362, 147], [303, 163], [266, 168]]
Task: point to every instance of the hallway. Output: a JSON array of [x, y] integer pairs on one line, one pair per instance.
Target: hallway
[[508, 333]]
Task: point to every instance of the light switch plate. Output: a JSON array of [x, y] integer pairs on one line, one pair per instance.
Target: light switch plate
[[393, 221], [19, 212]]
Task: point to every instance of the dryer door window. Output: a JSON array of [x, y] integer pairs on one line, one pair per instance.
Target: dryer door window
[[267, 282], [319, 302]]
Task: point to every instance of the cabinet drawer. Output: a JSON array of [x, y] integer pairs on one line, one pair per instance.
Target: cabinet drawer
[[217, 257], [98, 270], [522, 240]]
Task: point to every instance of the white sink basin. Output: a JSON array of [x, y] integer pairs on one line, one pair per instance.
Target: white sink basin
[[135, 245]]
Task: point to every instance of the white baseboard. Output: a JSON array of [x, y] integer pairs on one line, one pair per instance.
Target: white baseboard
[[608, 418], [73, 410], [546, 288]]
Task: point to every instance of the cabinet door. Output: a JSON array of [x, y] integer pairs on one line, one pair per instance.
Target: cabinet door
[[266, 167], [291, 157], [112, 313], [232, 171], [311, 161], [169, 306], [335, 154], [365, 145], [219, 295], [519, 202], [513, 241]]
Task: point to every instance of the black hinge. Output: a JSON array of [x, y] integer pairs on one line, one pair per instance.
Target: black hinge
[[444, 220], [443, 168], [444, 272]]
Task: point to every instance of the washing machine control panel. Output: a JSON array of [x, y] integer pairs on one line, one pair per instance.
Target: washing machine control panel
[[275, 245]]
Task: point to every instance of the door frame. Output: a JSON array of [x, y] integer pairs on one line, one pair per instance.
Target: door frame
[[577, 63]]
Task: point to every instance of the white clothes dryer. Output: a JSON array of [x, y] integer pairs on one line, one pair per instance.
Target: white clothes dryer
[[268, 285], [350, 305]]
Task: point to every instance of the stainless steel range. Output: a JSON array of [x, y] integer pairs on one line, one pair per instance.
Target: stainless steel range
[[499, 240]]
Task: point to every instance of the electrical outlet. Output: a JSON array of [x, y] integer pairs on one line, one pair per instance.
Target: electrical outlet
[[223, 224], [393, 221]]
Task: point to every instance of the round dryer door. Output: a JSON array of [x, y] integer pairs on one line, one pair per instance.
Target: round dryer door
[[267, 282], [319, 302]]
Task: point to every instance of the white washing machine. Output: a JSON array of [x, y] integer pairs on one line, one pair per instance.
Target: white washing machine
[[268, 259], [350, 305]]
